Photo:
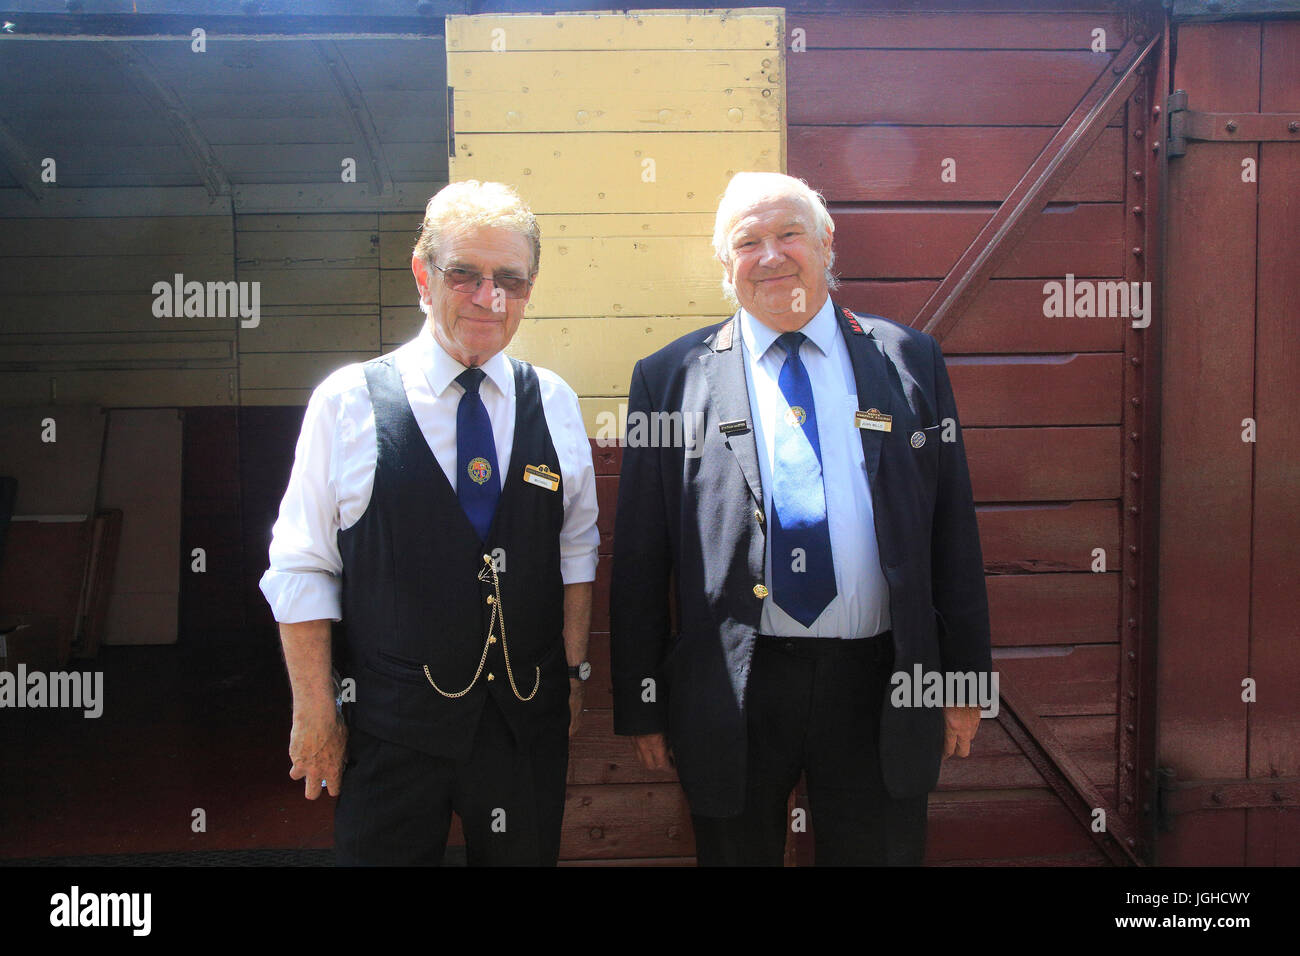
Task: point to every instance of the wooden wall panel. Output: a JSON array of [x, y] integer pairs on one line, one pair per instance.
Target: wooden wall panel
[[1206, 468]]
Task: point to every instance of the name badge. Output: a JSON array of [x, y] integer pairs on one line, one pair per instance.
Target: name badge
[[734, 428], [874, 419], [542, 477]]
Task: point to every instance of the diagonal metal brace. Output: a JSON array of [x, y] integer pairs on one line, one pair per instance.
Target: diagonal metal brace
[[1044, 177]]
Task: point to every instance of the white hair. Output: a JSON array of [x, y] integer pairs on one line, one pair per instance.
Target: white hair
[[746, 190]]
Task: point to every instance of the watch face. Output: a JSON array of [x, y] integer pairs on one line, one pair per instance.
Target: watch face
[[584, 670]]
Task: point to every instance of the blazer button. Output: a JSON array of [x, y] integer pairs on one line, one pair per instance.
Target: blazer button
[[760, 591], [758, 515]]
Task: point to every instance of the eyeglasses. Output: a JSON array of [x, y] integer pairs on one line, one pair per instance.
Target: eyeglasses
[[466, 280]]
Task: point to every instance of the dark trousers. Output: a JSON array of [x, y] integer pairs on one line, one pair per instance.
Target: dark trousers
[[813, 706], [396, 804]]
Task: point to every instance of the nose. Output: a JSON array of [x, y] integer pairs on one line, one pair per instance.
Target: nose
[[770, 253], [485, 294]]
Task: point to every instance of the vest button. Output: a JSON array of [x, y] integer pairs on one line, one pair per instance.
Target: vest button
[[491, 599], [490, 677], [760, 591], [492, 639], [487, 559]]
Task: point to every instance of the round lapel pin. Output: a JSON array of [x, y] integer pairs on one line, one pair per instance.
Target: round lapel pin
[[918, 439]]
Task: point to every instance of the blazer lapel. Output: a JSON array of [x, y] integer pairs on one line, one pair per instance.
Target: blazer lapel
[[871, 374], [724, 367]]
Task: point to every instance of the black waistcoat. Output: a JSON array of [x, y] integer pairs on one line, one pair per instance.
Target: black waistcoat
[[412, 596]]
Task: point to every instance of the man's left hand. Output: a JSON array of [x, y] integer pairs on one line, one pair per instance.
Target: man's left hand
[[959, 726], [575, 704]]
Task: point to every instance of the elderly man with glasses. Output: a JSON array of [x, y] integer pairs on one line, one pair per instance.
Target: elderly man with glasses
[[442, 504]]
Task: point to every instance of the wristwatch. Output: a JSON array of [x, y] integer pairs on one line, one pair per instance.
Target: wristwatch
[[580, 671]]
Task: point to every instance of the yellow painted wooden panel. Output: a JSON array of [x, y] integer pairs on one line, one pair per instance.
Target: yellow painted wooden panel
[[126, 388], [617, 91], [274, 396], [658, 275], [604, 417], [312, 333], [293, 369], [757, 29], [596, 356], [603, 172], [608, 225], [170, 235]]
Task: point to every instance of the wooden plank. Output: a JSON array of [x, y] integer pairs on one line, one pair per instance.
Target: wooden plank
[[596, 356], [1063, 680], [553, 91], [880, 86], [399, 324], [985, 825], [58, 313], [280, 370], [312, 333], [907, 163], [1036, 609], [121, 388], [92, 353], [395, 248], [625, 276], [601, 172], [1006, 317], [307, 286], [926, 30], [103, 273], [1047, 537], [626, 820], [1275, 537], [1043, 464], [909, 243], [59, 477], [657, 30], [296, 250], [1038, 390], [597, 756], [139, 236], [307, 222], [296, 397], [41, 574], [142, 478], [1206, 486]]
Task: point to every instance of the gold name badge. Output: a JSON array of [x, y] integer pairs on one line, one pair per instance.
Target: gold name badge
[[874, 419], [542, 477]]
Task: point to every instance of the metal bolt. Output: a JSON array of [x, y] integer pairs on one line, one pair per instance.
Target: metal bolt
[[1137, 133], [1292, 126], [1231, 126], [1135, 476], [1137, 174], [1137, 210], [1132, 655], [1137, 251], [1134, 510], [1132, 622], [1216, 797]]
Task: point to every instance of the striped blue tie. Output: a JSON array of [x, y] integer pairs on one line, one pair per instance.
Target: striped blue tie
[[478, 486], [803, 573]]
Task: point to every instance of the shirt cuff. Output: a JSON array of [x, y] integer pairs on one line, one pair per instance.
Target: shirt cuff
[[297, 596], [579, 570]]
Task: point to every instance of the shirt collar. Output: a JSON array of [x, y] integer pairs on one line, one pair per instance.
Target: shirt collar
[[440, 369], [822, 330]]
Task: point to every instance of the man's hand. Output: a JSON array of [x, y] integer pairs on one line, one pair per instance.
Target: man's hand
[[652, 751], [959, 726], [575, 704], [317, 746]]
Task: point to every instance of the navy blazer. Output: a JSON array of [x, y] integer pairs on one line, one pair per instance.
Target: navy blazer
[[691, 525]]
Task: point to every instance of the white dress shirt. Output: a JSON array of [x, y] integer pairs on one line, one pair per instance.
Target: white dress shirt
[[861, 606], [334, 469]]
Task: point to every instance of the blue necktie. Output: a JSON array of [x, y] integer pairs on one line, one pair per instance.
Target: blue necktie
[[803, 574], [478, 486]]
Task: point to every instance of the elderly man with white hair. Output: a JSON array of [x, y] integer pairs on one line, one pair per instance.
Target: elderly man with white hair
[[820, 547], [439, 493]]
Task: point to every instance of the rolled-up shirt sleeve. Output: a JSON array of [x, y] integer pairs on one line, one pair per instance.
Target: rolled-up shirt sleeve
[[579, 535], [303, 581]]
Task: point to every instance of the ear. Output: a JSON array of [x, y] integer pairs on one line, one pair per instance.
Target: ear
[[421, 271]]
